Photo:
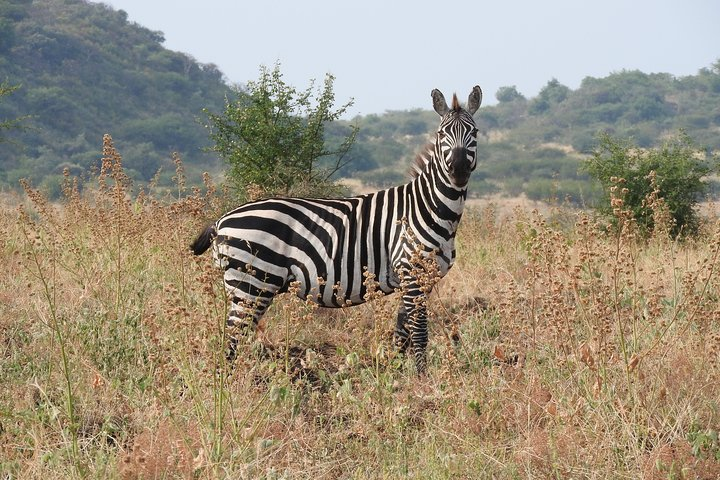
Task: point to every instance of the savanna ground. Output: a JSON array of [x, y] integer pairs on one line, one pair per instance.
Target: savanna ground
[[559, 349]]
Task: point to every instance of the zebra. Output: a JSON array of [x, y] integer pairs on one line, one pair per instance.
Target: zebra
[[326, 248]]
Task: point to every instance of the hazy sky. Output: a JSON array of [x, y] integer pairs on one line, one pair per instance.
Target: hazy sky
[[389, 54]]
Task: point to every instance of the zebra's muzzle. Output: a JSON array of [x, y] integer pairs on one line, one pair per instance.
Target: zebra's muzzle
[[460, 166]]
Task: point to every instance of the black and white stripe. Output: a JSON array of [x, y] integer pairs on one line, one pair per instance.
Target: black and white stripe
[[326, 246]]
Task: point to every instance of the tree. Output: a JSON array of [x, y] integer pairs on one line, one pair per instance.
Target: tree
[[674, 173], [8, 123], [551, 94], [508, 94], [272, 137]]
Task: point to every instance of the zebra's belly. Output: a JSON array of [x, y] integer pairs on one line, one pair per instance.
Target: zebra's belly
[[340, 288]]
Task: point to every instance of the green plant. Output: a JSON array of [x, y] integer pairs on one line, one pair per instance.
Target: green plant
[[42, 252], [272, 136], [674, 172], [704, 442]]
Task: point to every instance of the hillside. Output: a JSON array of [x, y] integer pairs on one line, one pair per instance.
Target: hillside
[[83, 71], [534, 146]]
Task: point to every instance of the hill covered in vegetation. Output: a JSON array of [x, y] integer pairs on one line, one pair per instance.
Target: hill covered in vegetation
[[84, 70], [536, 145]]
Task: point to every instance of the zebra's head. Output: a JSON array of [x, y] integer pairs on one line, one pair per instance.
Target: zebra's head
[[456, 141]]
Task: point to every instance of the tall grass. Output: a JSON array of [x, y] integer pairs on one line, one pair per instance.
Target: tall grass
[[562, 346]]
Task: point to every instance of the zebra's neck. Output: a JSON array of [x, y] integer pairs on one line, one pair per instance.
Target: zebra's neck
[[439, 196]]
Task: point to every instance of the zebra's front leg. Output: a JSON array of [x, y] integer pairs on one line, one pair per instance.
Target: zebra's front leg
[[402, 332], [415, 323]]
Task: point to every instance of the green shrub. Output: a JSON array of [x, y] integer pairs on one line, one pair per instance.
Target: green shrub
[[674, 172], [272, 137]]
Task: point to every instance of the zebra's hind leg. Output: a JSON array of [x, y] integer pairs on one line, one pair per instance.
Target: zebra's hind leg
[[240, 322], [243, 321], [248, 305]]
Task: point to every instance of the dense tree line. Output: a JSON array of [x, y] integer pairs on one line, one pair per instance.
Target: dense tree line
[[536, 145]]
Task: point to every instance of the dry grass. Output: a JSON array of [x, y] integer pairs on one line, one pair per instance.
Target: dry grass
[[559, 349]]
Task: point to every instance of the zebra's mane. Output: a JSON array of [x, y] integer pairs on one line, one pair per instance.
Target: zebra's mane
[[455, 103], [422, 159]]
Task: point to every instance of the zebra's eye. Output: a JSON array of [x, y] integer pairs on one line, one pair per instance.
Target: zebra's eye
[[474, 132]]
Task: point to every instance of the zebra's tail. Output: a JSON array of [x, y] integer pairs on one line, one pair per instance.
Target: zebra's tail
[[204, 240]]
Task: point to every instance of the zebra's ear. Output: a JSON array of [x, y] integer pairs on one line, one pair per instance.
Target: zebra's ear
[[439, 103], [474, 100]]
